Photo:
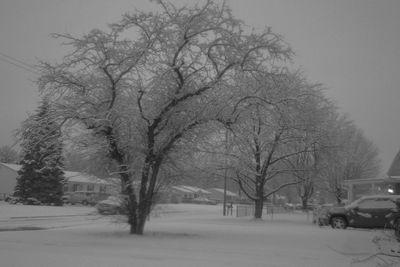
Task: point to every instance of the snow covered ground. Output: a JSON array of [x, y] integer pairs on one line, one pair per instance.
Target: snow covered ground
[[182, 235], [15, 211]]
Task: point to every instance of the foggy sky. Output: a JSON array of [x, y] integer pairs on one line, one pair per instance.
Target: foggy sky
[[352, 47]]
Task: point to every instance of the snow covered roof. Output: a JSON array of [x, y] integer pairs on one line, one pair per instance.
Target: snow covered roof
[[179, 188], [390, 179], [190, 189], [14, 167], [195, 189], [70, 176], [79, 177], [221, 190], [394, 169]]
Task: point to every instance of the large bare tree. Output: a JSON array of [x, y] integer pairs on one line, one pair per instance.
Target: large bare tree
[[266, 130], [148, 84], [308, 164], [351, 156]]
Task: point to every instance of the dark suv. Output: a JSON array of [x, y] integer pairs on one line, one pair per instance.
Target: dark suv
[[382, 211]]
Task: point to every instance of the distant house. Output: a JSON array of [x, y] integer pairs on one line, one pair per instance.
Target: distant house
[[387, 185], [394, 170], [218, 195], [74, 181], [77, 181], [8, 178], [185, 193]]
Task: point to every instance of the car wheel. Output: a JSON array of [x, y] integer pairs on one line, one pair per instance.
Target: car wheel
[[338, 223]]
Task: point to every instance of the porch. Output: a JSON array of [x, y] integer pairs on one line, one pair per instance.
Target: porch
[[376, 186]]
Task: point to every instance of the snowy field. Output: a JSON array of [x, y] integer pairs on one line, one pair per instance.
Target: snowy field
[[181, 235], [16, 211]]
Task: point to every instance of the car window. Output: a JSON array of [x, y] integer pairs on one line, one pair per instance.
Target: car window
[[379, 203]]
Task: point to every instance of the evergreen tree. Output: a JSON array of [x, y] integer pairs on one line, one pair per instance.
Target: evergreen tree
[[41, 175]]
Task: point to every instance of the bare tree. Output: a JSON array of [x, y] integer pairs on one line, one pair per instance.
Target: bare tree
[[307, 166], [351, 156], [266, 131], [305, 170], [145, 97]]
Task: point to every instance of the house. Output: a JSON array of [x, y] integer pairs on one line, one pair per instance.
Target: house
[[387, 185], [185, 193], [74, 181], [77, 181], [218, 195], [8, 178]]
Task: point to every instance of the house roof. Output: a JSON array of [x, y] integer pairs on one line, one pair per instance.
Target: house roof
[[70, 176], [179, 188], [195, 189], [190, 189], [221, 190], [79, 177], [394, 169], [390, 179]]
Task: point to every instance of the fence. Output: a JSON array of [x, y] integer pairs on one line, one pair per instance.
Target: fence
[[248, 210], [244, 210]]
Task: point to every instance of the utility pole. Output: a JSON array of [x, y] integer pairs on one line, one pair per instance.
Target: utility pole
[[225, 172]]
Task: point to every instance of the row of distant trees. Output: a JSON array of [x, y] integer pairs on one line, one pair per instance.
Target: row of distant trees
[[312, 148], [194, 90]]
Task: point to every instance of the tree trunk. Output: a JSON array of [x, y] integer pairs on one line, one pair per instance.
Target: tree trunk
[[138, 228], [137, 216], [143, 208], [132, 218], [304, 203], [259, 205]]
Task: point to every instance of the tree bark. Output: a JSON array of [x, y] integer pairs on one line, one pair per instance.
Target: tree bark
[[304, 203], [258, 210], [140, 211]]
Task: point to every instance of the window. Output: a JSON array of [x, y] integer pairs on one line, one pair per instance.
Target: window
[[103, 189], [76, 187], [90, 187], [379, 203]]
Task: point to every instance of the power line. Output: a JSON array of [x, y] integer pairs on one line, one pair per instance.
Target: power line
[[19, 65], [17, 60]]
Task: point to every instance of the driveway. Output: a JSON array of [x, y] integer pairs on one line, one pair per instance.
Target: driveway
[[23, 217]]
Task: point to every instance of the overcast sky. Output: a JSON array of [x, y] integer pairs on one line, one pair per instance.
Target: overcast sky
[[352, 47]]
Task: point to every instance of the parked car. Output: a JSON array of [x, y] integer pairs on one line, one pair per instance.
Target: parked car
[[12, 200], [321, 213], [84, 197], [27, 201], [298, 206], [112, 205], [31, 201], [381, 211]]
